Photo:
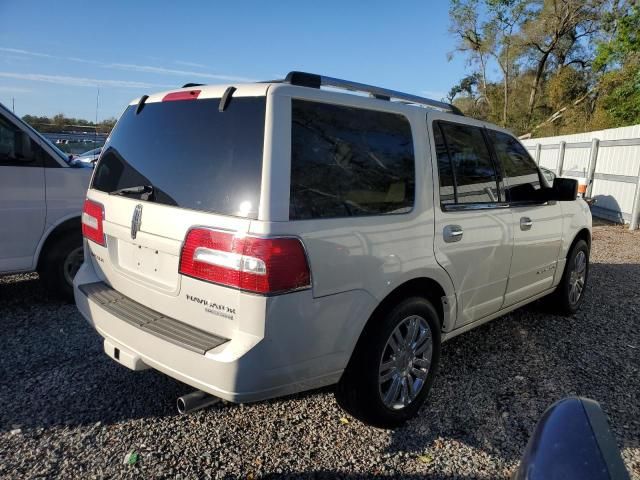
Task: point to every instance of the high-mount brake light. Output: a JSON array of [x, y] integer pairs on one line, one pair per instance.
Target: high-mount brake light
[[183, 95], [92, 217], [258, 265]]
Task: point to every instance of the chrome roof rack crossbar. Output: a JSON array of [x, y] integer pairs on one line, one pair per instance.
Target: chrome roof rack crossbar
[[316, 81]]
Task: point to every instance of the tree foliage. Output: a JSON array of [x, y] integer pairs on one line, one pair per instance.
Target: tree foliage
[[564, 66], [60, 123]]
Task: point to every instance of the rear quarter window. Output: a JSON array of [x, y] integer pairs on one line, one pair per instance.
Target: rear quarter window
[[349, 162]]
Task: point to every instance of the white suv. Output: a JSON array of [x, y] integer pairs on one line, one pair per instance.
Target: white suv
[[263, 239], [41, 197]]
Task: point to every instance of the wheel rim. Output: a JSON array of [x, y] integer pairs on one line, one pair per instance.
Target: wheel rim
[[577, 277], [404, 365], [72, 264]]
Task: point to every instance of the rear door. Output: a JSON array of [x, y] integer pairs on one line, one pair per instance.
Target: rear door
[[537, 223], [22, 197], [167, 168], [473, 229]]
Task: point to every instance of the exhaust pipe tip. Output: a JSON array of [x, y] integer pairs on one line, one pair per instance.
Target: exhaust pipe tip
[[195, 401], [182, 408]]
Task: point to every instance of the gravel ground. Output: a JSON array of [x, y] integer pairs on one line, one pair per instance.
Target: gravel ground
[[67, 410]]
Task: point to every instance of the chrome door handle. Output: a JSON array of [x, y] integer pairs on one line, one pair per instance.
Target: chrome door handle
[[525, 223], [452, 233]]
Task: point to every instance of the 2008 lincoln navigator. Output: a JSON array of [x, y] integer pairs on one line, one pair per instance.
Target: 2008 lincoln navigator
[[262, 239]]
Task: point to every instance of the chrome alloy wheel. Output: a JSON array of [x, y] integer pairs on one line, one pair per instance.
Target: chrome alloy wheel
[[577, 277], [72, 264], [405, 362]]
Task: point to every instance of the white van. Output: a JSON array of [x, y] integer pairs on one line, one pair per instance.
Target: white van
[[41, 196], [262, 239]]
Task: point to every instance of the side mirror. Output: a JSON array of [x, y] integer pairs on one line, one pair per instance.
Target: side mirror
[[564, 189], [572, 440]]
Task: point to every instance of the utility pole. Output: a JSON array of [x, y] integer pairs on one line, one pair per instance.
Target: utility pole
[[13, 104], [95, 130], [97, 99]]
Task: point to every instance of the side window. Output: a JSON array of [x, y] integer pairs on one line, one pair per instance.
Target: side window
[[471, 169], [16, 148], [445, 172], [8, 144], [522, 179], [349, 162]]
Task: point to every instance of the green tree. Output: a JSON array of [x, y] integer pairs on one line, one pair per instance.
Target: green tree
[[468, 28], [555, 31], [618, 61]]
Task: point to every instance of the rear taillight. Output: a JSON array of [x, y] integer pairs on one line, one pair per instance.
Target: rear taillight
[[259, 265], [92, 216]]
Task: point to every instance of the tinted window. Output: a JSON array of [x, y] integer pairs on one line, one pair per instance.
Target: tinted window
[[349, 162], [522, 180], [474, 174], [16, 147], [445, 172], [193, 155]]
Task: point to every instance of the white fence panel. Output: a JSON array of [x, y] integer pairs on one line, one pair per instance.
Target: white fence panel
[[549, 159], [615, 183], [576, 160], [619, 160]]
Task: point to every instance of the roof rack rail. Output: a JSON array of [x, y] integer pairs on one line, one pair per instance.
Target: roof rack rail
[[313, 80], [188, 85]]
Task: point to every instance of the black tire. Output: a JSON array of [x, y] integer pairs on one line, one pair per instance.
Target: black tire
[[359, 391], [562, 301], [55, 271]]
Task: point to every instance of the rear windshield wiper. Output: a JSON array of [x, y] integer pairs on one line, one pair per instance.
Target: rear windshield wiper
[[145, 190]]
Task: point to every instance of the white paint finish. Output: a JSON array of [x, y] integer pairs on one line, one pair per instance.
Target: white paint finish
[[292, 342], [212, 91], [470, 326], [34, 201], [479, 263], [163, 229], [22, 216], [306, 344], [576, 216], [125, 357], [276, 167], [66, 191], [535, 251]]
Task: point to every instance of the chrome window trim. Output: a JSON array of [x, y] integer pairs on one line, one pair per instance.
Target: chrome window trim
[[460, 207], [457, 207]]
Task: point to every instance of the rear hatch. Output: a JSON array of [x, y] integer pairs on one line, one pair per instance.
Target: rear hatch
[[170, 166]]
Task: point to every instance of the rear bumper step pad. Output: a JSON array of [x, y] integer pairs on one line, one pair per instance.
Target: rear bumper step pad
[[150, 321]]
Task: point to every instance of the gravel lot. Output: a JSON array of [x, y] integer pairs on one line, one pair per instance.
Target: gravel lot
[[67, 410]]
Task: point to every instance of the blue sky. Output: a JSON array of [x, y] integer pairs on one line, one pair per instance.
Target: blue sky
[[54, 55]]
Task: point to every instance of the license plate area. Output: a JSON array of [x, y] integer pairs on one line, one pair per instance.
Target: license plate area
[[148, 263]]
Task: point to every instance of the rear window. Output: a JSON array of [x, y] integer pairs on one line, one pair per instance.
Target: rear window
[[190, 154], [349, 162]]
